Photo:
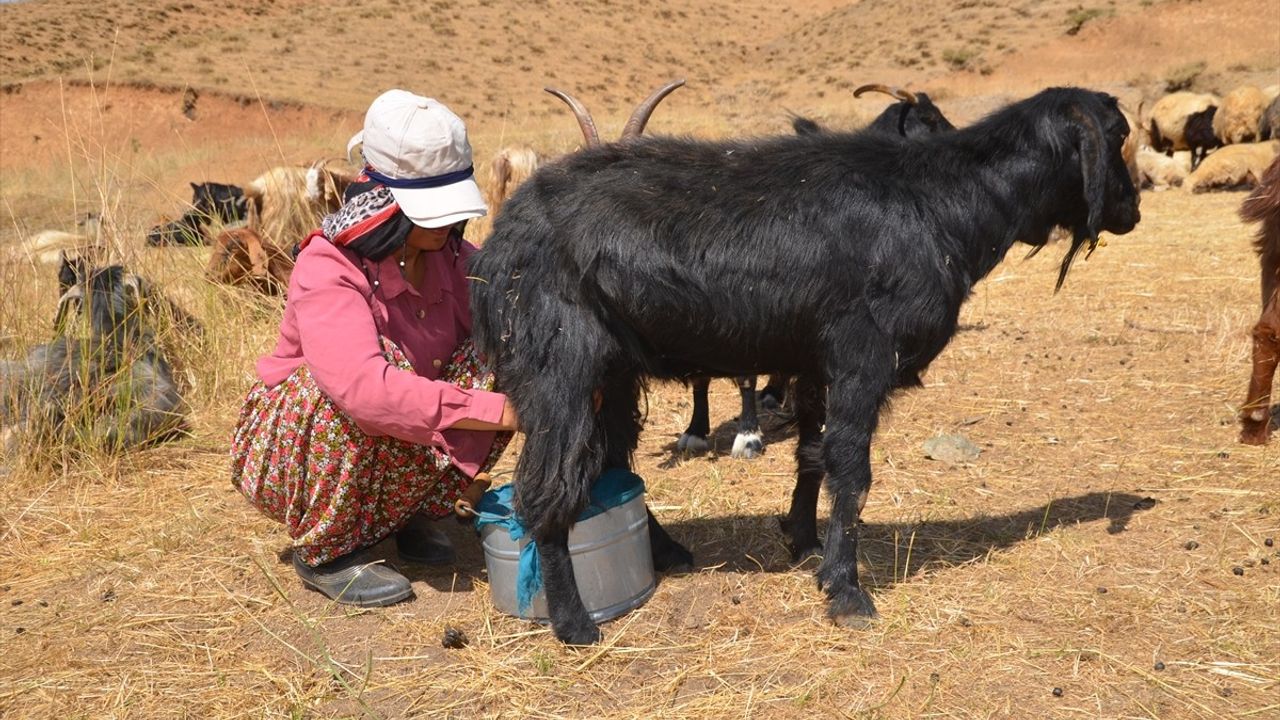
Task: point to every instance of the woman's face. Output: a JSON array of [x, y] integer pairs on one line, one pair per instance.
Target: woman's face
[[428, 239]]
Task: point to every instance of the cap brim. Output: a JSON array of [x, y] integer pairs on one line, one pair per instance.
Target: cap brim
[[441, 206]]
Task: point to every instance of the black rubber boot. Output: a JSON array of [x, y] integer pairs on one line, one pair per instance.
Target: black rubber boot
[[422, 541], [355, 579]]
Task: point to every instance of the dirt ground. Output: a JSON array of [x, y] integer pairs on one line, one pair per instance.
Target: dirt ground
[[1110, 554]]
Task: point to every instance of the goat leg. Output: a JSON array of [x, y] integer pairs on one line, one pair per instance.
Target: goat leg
[[748, 443], [774, 393], [801, 522], [569, 618], [1255, 415], [694, 439], [853, 405], [619, 416]]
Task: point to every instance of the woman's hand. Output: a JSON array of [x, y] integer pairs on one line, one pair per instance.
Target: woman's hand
[[509, 421]]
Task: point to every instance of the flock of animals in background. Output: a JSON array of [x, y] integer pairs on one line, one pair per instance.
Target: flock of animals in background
[[845, 302]]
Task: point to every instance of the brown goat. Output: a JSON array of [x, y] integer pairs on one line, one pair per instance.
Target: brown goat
[[243, 257], [1263, 206]]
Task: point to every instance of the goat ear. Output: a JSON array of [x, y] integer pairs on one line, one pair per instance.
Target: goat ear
[[257, 255], [1091, 146]]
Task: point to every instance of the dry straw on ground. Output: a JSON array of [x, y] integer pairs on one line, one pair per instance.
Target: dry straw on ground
[[1094, 538], [1091, 548]]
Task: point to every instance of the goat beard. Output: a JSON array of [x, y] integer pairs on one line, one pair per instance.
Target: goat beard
[[1078, 238]]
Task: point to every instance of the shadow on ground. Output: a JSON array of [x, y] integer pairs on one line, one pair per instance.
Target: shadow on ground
[[755, 543], [889, 552]]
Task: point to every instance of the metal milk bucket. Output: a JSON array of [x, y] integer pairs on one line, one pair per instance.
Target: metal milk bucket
[[608, 545]]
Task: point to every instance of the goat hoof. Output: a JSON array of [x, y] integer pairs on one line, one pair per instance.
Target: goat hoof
[[1254, 437], [852, 609], [748, 446], [770, 402], [693, 444], [579, 634]]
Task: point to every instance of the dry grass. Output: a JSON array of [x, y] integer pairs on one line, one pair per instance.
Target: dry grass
[[1092, 542], [146, 587]]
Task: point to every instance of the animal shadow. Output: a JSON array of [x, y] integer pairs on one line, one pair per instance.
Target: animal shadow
[[893, 552]]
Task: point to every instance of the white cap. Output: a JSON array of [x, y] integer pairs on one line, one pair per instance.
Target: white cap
[[418, 148]]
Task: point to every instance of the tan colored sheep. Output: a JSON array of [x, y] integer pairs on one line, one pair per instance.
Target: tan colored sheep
[[49, 246], [1184, 121], [287, 203], [1129, 151], [1160, 172], [510, 167], [1237, 118], [1233, 167]]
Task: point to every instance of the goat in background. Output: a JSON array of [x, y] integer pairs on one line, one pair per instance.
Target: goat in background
[[103, 381], [875, 242]]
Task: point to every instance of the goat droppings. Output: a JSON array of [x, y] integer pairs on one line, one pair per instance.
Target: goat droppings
[[1237, 570], [454, 639], [1159, 666], [1057, 692]]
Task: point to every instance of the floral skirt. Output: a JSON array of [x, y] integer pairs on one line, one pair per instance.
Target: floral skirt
[[303, 462]]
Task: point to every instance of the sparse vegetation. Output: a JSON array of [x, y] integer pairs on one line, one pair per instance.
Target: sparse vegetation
[[1183, 77], [1078, 16], [959, 58]]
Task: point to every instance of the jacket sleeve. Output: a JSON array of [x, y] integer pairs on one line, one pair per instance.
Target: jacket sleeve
[[340, 346]]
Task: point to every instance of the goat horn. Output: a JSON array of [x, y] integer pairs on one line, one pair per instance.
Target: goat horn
[[905, 96], [640, 118], [584, 118], [73, 295]]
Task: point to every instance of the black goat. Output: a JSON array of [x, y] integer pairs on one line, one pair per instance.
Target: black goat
[[109, 386], [209, 201], [748, 442], [914, 115], [585, 284]]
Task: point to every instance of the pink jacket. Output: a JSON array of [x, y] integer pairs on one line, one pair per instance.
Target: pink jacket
[[331, 324]]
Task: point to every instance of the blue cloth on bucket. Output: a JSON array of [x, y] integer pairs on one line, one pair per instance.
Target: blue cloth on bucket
[[614, 488]]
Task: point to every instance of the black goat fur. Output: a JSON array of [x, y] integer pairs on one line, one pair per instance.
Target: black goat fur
[[842, 258], [912, 119], [103, 381], [902, 118], [210, 201]]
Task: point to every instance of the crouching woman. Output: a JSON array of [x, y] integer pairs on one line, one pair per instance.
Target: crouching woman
[[374, 414]]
